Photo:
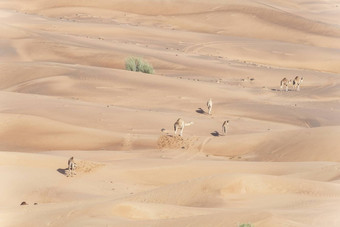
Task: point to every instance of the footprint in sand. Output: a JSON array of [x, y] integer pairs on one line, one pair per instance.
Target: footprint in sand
[[127, 142]]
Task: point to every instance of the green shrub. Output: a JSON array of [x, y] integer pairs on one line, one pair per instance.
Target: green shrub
[[138, 65], [245, 225], [130, 64]]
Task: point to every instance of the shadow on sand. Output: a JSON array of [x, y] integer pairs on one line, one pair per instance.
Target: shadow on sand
[[216, 133], [283, 90], [62, 171], [200, 111]]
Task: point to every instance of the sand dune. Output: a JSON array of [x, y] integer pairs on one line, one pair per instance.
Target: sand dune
[[295, 145], [130, 192], [64, 92]]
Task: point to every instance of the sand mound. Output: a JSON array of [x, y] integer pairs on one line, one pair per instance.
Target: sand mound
[[153, 211], [216, 191], [174, 142], [312, 144], [87, 166], [25, 132]]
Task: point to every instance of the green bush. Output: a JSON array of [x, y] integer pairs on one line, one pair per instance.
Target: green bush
[[138, 65], [245, 225]]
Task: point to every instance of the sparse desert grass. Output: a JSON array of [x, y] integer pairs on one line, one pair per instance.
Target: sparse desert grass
[[138, 64], [245, 225]]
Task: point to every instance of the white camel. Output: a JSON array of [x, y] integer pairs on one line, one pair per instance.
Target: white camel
[[285, 82], [297, 82], [71, 167], [225, 127], [180, 124], [209, 105]]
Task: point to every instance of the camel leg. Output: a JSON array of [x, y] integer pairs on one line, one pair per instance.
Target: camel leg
[[181, 131]]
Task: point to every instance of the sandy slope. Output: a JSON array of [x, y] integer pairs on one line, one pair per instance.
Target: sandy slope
[[64, 92]]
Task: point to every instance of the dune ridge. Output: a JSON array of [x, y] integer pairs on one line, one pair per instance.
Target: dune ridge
[[64, 92]]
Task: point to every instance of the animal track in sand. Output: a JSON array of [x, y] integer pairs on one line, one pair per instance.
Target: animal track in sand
[[206, 140]]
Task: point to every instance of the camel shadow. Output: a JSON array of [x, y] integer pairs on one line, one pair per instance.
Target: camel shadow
[[283, 90], [216, 133], [62, 171], [200, 111]]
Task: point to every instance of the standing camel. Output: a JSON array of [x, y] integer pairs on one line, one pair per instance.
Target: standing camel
[[225, 127], [180, 124], [209, 105], [71, 167], [297, 82], [285, 82]]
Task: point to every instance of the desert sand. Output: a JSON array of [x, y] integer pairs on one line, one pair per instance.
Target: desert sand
[[64, 92]]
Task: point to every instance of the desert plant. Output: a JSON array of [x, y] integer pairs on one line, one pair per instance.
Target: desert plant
[[245, 225], [137, 64], [130, 64]]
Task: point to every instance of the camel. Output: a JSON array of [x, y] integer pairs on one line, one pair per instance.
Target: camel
[[71, 167], [285, 82], [296, 82], [209, 105], [225, 127], [180, 124]]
